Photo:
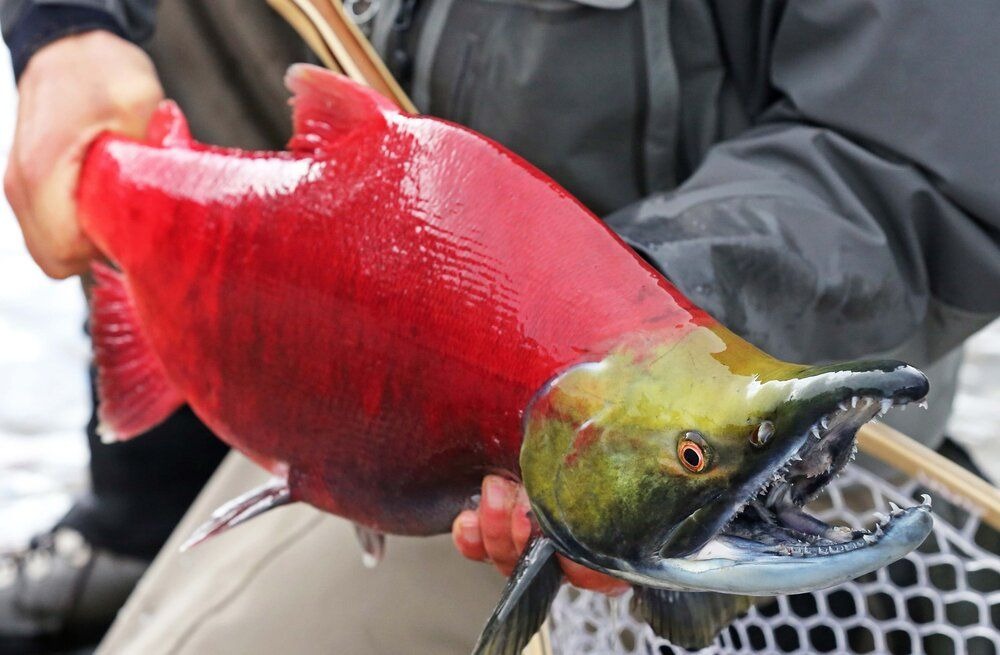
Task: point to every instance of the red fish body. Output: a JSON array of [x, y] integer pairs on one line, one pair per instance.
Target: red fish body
[[397, 306], [367, 315]]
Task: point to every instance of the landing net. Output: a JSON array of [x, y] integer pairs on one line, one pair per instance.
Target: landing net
[[943, 598]]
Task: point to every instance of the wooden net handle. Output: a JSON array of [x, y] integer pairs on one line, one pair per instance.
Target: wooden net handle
[[340, 45], [921, 463]]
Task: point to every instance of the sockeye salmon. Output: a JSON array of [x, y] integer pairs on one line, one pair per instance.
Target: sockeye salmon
[[396, 306]]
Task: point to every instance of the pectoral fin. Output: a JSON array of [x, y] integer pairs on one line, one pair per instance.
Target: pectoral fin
[[131, 383], [690, 619], [525, 602], [241, 509]]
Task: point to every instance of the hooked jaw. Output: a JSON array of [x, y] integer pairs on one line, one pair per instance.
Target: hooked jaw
[[733, 565], [756, 539]]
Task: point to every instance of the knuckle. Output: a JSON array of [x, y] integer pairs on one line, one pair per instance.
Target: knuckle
[[61, 260], [9, 184], [32, 174], [58, 269]]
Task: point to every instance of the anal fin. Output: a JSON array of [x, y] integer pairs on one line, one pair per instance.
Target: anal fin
[[240, 510], [689, 619], [525, 602], [372, 544], [135, 394]]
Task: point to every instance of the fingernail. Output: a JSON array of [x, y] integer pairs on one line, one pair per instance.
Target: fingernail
[[497, 493], [470, 530], [522, 498], [523, 521], [617, 590]]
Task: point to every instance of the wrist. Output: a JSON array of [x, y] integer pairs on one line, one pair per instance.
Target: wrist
[[41, 25]]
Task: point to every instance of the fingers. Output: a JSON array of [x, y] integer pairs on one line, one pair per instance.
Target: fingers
[[499, 531], [46, 213], [499, 495], [14, 189], [465, 534], [584, 578]]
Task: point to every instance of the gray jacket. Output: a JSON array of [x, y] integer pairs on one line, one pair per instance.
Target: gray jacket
[[821, 176]]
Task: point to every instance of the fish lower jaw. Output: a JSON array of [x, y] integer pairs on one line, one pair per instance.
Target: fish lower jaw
[[812, 546], [739, 547]]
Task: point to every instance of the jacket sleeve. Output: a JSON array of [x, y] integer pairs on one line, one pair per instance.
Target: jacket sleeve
[[862, 211], [30, 24]]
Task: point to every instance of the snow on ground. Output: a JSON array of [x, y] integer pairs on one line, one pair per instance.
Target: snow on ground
[[975, 418], [43, 388], [43, 393]]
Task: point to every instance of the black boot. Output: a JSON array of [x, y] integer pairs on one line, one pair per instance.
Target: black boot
[[60, 594]]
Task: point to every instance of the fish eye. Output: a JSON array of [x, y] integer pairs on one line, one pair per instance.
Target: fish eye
[[762, 434], [692, 452]]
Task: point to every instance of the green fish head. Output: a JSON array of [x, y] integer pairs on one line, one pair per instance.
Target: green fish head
[[672, 452]]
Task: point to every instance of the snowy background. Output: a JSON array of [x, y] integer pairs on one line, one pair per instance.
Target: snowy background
[[43, 393]]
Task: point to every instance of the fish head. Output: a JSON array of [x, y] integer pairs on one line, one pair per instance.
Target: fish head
[[684, 463]]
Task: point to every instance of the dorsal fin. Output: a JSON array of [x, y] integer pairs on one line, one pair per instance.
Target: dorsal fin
[[167, 127], [133, 389], [328, 106]]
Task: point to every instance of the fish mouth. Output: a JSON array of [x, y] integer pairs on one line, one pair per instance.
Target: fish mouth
[[759, 539], [773, 520]]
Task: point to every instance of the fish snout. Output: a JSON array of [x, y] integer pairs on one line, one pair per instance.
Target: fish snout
[[888, 378], [822, 388]]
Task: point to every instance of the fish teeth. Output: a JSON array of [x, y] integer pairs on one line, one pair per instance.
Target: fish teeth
[[842, 406], [895, 508], [884, 406], [825, 422], [854, 402], [869, 538], [880, 518], [814, 431], [878, 531], [925, 500], [922, 404]]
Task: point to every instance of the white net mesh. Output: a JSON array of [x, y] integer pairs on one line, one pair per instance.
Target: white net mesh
[[943, 598]]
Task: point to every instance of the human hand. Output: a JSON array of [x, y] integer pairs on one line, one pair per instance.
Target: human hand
[[499, 529], [71, 90]]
